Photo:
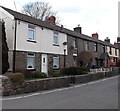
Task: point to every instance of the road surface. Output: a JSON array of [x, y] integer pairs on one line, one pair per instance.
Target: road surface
[[102, 94]]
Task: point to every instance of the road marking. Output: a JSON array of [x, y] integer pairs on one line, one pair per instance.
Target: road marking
[[34, 94], [19, 97], [58, 90], [47, 92]]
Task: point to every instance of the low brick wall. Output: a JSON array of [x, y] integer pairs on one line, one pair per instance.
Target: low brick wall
[[8, 88]]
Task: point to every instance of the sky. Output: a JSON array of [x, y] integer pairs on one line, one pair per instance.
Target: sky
[[99, 16]]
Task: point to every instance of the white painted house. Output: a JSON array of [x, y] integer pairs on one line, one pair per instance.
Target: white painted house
[[33, 44]]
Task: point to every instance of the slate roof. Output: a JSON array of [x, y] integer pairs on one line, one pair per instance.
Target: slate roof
[[44, 24], [103, 56]]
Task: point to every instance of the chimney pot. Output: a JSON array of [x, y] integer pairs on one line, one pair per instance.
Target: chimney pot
[[51, 19], [95, 35]]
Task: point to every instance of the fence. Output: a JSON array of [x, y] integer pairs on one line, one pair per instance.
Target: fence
[[103, 69]]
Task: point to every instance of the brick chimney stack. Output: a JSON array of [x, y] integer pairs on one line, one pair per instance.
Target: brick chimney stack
[[118, 39], [115, 43], [107, 40], [78, 29], [95, 35], [51, 20]]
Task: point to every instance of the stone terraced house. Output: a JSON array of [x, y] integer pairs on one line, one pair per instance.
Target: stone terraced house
[[44, 46]]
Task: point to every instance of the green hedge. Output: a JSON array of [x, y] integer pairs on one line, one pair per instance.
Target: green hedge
[[16, 77], [40, 75], [57, 74], [74, 71], [27, 73]]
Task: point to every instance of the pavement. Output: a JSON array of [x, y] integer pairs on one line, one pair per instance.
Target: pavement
[[101, 94]]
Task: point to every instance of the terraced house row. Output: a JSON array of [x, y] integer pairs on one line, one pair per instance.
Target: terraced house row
[[44, 46]]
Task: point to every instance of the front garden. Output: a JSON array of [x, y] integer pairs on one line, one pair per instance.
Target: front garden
[[25, 75]]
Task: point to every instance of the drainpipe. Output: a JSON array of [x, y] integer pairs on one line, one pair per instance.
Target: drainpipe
[[64, 57], [14, 50]]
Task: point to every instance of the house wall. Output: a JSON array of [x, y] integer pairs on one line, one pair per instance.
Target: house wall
[[71, 60], [21, 61], [113, 52], [43, 38]]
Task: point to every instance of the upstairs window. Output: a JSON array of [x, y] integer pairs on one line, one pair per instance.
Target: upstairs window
[[103, 49], [55, 38], [116, 52], [95, 47], [31, 61], [86, 45], [111, 50], [31, 32], [74, 43]]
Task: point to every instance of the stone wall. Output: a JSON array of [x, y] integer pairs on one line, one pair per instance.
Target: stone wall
[[21, 61], [8, 88]]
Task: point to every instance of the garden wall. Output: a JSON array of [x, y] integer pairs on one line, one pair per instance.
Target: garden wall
[[8, 88]]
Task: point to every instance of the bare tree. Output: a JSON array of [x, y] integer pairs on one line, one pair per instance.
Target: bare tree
[[39, 10], [85, 58]]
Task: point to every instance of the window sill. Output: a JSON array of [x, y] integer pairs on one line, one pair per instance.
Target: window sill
[[31, 41], [56, 68], [31, 69], [56, 45], [75, 48]]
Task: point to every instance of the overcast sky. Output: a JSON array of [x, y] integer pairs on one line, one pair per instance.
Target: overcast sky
[[99, 16]]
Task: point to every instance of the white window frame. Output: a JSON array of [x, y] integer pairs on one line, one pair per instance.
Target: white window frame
[[31, 28], [95, 47], [31, 55], [116, 53], [74, 43], [86, 45], [103, 48], [58, 65], [55, 35]]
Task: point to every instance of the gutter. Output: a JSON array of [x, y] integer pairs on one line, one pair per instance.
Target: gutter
[[14, 47]]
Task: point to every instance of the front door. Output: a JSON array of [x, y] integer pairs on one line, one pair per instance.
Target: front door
[[44, 65]]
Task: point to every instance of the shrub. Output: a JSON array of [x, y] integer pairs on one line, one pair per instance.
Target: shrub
[[27, 73], [83, 70], [65, 71], [74, 71], [40, 75], [56, 74], [16, 77]]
